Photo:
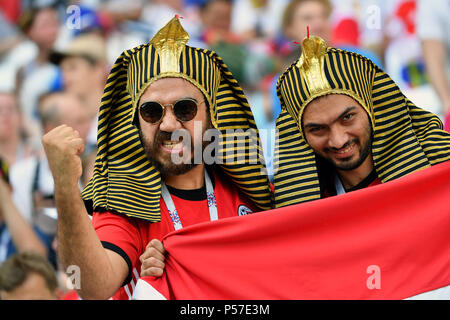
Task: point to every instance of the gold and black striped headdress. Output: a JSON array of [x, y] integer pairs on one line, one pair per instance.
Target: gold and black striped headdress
[[124, 181], [405, 137]]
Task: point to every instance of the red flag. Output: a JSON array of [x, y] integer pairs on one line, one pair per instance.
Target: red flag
[[390, 241]]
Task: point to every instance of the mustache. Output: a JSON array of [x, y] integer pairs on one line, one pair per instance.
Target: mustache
[[355, 140], [162, 136]]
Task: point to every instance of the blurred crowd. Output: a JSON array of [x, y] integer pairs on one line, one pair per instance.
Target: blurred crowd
[[55, 57]]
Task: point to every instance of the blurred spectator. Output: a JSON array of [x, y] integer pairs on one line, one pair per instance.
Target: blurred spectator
[[66, 108], [346, 36], [216, 19], [433, 19], [404, 60], [403, 55], [216, 35], [9, 35], [247, 63], [122, 10], [13, 146], [156, 13], [40, 25], [15, 232], [28, 276], [32, 179], [120, 22], [369, 16], [300, 14], [257, 18], [83, 64], [85, 18]]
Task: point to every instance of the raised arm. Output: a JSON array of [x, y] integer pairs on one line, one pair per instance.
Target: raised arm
[[102, 271]]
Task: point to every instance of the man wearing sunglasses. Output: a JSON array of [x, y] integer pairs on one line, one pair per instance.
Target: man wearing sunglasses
[[159, 121], [147, 180]]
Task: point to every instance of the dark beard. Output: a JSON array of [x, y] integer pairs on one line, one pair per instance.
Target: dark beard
[[169, 168], [363, 154]]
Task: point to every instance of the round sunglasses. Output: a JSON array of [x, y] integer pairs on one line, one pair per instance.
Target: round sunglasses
[[183, 109]]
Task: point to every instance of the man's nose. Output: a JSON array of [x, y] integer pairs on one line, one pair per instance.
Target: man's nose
[[169, 121], [338, 138]]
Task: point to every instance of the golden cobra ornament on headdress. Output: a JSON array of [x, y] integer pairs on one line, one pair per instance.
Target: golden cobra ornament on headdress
[[311, 64], [169, 42]]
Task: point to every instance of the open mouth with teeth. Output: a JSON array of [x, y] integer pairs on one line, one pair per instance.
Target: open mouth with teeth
[[172, 146], [344, 153]]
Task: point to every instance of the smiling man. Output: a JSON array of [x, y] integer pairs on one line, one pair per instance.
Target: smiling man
[[345, 125], [342, 136], [138, 192]]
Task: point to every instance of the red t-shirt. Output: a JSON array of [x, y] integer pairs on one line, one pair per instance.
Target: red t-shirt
[[129, 236]]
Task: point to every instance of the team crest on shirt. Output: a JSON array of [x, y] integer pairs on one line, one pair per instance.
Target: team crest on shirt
[[244, 210]]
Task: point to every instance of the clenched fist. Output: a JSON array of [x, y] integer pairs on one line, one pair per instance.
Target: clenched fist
[[152, 260], [63, 147]]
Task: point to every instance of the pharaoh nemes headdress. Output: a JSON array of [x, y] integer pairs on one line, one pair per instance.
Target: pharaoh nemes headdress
[[405, 138], [124, 181]]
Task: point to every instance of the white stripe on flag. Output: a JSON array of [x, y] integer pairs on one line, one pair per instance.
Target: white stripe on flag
[[437, 294], [144, 291]]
